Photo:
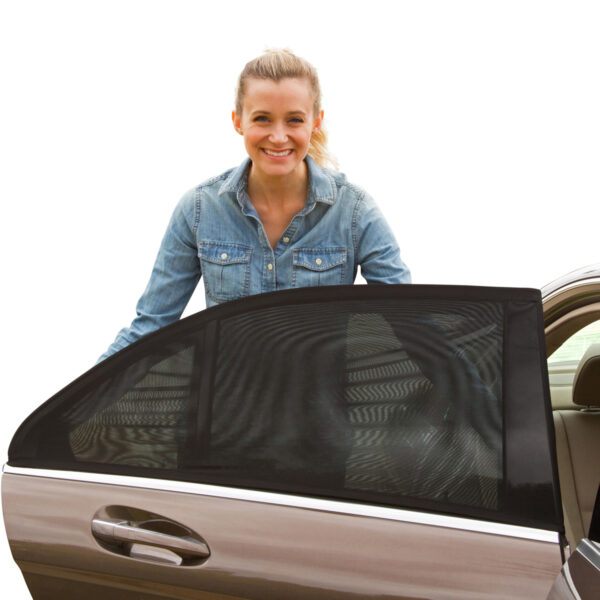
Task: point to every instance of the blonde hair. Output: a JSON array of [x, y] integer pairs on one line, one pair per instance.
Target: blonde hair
[[276, 64]]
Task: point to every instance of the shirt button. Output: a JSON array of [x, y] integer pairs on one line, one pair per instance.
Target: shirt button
[[270, 267], [318, 261], [286, 240], [224, 255]]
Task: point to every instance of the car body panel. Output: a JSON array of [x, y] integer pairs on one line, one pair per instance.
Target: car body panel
[[333, 555]]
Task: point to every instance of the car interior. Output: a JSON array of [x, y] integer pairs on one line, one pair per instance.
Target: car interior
[[575, 393]]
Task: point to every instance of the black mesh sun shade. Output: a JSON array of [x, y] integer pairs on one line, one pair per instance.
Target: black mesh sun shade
[[426, 397]]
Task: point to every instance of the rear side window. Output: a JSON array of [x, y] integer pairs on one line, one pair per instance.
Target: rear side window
[[427, 397], [573, 349]]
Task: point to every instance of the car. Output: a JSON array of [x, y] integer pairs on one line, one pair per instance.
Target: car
[[572, 329], [336, 442]]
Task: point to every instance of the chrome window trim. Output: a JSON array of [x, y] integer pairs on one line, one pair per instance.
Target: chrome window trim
[[588, 274], [591, 551], [309, 503]]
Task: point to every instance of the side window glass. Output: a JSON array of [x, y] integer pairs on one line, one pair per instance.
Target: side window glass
[[396, 396], [137, 419], [563, 362], [367, 405], [574, 347]]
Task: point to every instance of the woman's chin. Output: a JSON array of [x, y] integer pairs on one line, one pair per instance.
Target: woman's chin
[[277, 168]]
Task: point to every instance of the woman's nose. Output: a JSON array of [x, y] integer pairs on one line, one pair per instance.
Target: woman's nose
[[278, 133]]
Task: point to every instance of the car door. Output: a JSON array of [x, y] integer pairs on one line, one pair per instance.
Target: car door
[[344, 442]]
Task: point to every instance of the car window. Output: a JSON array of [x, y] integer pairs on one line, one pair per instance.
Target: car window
[[424, 397], [575, 346]]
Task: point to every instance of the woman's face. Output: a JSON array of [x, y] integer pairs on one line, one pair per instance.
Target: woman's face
[[277, 122]]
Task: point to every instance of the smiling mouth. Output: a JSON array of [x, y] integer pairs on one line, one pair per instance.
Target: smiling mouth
[[277, 154]]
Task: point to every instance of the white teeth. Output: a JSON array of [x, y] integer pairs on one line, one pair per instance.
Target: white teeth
[[282, 153]]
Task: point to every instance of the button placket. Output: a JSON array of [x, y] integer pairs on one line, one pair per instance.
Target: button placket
[[289, 233], [269, 273]]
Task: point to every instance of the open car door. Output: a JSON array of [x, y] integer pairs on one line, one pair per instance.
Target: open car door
[[343, 442]]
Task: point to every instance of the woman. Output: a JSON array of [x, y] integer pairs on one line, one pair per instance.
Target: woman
[[279, 220]]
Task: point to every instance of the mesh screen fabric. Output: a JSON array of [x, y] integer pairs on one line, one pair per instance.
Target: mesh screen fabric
[[141, 422], [324, 399], [393, 396]]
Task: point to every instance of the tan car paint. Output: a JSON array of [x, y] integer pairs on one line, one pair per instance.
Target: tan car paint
[[260, 551]]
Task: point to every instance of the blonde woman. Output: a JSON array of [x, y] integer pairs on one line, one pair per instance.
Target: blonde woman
[[282, 219]]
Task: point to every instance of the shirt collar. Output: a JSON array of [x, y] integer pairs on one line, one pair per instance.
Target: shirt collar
[[321, 186]]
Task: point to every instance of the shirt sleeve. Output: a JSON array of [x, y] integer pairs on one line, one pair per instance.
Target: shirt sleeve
[[377, 251], [174, 277]]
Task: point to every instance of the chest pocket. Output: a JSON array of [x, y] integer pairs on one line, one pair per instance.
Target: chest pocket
[[318, 266], [226, 269]]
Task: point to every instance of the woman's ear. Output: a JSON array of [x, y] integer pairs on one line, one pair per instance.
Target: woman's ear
[[237, 122], [318, 122]]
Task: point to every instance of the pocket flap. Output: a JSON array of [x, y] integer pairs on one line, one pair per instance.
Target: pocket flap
[[224, 253], [319, 259]]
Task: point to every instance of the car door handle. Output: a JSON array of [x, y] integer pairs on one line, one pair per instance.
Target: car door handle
[[116, 530]]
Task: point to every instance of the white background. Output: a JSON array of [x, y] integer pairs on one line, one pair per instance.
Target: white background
[[475, 125]]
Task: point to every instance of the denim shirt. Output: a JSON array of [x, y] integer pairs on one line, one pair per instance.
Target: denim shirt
[[215, 232]]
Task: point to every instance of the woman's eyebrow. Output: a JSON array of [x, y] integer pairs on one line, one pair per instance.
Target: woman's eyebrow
[[259, 111]]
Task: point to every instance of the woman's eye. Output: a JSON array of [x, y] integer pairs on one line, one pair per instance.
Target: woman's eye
[[297, 120], [260, 118]]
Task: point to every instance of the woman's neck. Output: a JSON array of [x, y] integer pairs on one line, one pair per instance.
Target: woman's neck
[[278, 191]]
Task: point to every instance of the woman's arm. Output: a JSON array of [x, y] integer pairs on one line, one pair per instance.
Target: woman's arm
[[174, 277], [376, 248]]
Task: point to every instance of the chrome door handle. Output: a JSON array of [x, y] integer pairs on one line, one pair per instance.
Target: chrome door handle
[[115, 530]]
